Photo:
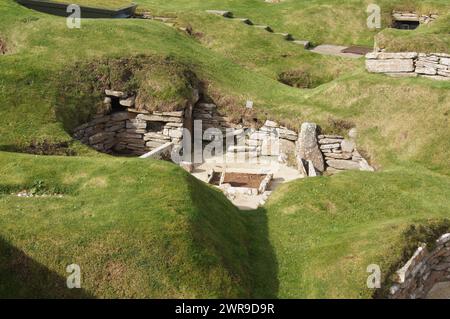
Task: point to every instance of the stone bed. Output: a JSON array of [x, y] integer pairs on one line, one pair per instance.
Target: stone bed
[[240, 182]]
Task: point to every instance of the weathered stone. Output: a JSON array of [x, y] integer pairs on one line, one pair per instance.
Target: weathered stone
[[226, 14], [118, 94], [343, 164], [153, 135], [390, 66], [330, 146], [329, 140], [322, 136], [353, 133], [99, 137], [391, 55], [445, 73], [269, 123], [347, 146], [308, 146], [425, 70], [304, 43], [129, 102], [445, 61], [159, 118], [344, 156]]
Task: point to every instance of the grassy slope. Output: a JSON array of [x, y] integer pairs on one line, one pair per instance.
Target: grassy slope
[[136, 228], [397, 129]]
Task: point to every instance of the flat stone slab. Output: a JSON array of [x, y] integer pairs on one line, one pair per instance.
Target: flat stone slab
[[390, 66], [304, 43], [223, 13], [264, 27], [391, 55], [286, 36], [245, 20]]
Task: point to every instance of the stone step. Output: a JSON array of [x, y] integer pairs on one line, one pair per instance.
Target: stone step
[[223, 13]]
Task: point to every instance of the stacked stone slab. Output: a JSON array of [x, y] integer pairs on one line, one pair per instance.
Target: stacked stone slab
[[410, 64], [211, 118], [424, 270], [131, 131], [272, 139], [340, 154]]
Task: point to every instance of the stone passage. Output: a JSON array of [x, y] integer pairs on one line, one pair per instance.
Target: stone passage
[[425, 272], [408, 20], [126, 130], [435, 66]]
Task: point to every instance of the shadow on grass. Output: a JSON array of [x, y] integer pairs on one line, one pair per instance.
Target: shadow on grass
[[240, 240], [263, 262], [22, 277]]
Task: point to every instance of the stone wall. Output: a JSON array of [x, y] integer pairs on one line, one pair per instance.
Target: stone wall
[[341, 154], [410, 64], [424, 270], [130, 131], [319, 153]]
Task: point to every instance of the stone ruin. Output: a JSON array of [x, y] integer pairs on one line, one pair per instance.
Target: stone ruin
[[318, 153], [434, 66], [128, 130], [408, 20], [425, 272]]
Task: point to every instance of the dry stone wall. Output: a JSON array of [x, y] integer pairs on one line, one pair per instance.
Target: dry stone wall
[[130, 131], [410, 64], [424, 270], [138, 132], [327, 153]]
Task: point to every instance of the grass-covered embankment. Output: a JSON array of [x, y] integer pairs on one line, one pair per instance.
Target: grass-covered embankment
[[147, 229]]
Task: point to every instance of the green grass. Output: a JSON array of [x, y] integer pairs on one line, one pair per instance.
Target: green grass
[[148, 229]]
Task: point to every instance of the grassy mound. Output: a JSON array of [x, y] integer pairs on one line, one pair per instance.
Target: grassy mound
[[159, 84], [327, 231], [136, 228]]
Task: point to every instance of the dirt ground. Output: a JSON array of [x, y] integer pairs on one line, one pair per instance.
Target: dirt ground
[[243, 179]]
